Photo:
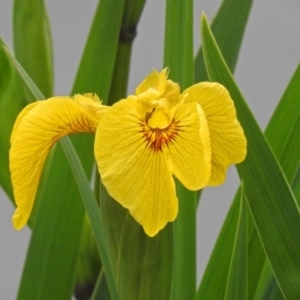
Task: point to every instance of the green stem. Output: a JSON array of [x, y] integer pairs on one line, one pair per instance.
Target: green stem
[[184, 281], [178, 57]]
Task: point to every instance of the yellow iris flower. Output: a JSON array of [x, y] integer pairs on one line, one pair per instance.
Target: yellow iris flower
[[141, 143]]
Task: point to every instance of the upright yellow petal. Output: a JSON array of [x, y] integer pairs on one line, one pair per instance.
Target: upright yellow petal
[[133, 172], [167, 90], [189, 149], [38, 127], [228, 142], [152, 81]]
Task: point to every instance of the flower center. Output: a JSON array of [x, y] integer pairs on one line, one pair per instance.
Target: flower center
[[156, 138], [158, 119]]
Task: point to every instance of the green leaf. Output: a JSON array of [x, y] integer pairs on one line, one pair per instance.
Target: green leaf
[[132, 13], [51, 257], [280, 136], [178, 56], [283, 137], [267, 284], [96, 68], [92, 210], [274, 210], [95, 72], [228, 28], [101, 289], [237, 281], [32, 42], [88, 264], [150, 260], [12, 100], [178, 52], [60, 213]]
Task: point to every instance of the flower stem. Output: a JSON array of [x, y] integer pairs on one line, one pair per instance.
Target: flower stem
[[178, 57], [184, 281]]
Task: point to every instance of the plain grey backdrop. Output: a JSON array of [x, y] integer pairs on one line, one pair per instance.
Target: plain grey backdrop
[[270, 53]]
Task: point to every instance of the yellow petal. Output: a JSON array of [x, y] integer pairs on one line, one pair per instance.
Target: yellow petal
[[20, 117], [228, 142], [92, 105], [168, 91], [190, 150], [152, 81], [135, 175], [39, 126]]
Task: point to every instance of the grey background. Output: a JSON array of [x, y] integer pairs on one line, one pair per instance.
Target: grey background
[[269, 55]]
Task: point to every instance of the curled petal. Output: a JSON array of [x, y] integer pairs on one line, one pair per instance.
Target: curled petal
[[228, 142], [23, 113], [37, 128], [167, 90], [134, 174], [190, 150]]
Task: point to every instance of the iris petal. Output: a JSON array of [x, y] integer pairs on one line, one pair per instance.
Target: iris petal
[[37, 128], [190, 149], [167, 90], [228, 142], [135, 175], [152, 81]]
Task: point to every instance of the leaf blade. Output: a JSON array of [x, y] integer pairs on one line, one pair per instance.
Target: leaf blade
[[237, 281], [228, 27], [32, 42], [260, 162], [178, 57]]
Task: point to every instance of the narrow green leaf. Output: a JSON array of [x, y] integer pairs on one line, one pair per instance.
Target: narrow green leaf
[[32, 42], [178, 56], [101, 289], [213, 283], [38, 95], [96, 68], [228, 27], [296, 184], [178, 52], [132, 13], [280, 136], [51, 257], [274, 210], [12, 100], [95, 72], [148, 260], [54, 221], [237, 281], [88, 264], [92, 210], [283, 137], [267, 283]]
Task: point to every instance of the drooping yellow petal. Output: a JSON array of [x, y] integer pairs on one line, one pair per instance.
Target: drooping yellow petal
[[228, 142], [23, 113], [135, 174], [190, 150], [39, 126]]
